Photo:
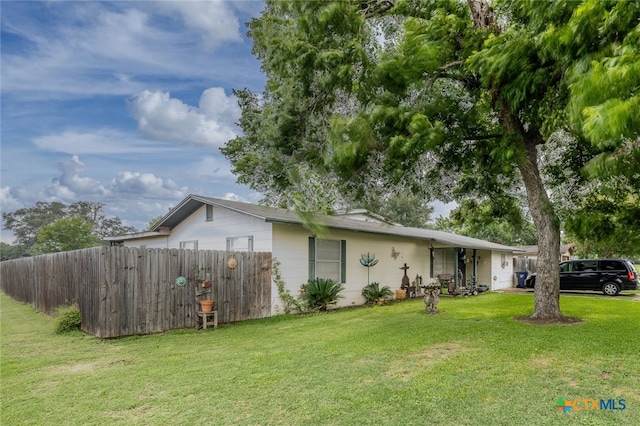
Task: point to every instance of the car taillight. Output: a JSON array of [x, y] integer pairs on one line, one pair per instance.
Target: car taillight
[[631, 275]]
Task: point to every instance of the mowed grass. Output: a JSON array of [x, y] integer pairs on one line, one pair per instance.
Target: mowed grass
[[471, 364]]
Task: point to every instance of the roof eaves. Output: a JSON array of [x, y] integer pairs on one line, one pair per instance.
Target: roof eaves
[[229, 207], [172, 212]]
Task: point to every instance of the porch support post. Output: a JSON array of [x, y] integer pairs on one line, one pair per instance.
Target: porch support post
[[456, 282], [475, 266]]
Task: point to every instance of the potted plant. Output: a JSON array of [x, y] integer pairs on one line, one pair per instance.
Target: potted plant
[[206, 305]]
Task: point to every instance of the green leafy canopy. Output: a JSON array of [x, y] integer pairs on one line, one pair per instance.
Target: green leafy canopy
[[443, 99]]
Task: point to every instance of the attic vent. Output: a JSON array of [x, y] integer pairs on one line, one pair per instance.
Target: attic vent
[[209, 215]]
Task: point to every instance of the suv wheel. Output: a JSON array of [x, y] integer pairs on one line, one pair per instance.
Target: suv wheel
[[610, 289]]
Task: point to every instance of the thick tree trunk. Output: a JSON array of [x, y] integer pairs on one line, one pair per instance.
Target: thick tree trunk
[[547, 291]]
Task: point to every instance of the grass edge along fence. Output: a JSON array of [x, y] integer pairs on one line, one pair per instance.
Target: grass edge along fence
[[125, 291]]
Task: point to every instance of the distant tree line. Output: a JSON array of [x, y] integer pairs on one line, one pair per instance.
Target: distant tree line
[[54, 227]]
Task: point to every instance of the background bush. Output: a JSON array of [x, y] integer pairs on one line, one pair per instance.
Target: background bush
[[68, 319]]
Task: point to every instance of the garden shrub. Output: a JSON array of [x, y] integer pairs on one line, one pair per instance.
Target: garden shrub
[[68, 319], [318, 294], [290, 303], [373, 293]]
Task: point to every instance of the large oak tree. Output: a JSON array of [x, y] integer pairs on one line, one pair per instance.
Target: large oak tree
[[441, 97]]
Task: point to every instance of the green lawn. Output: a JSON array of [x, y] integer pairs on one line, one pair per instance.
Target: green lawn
[[471, 364]]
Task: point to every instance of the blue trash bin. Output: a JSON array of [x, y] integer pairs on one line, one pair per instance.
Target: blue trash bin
[[522, 276]]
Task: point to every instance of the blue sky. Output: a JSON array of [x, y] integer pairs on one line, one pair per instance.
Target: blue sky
[[126, 103], [121, 102]]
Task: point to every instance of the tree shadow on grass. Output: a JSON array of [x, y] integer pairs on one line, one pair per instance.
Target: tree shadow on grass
[[549, 321]]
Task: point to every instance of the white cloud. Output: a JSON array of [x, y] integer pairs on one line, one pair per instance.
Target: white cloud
[[8, 202], [169, 119], [102, 141], [216, 105], [213, 19], [69, 184], [114, 47], [58, 192], [232, 197], [146, 185]]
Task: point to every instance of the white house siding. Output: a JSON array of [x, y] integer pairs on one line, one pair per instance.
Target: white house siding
[[161, 241], [291, 248], [484, 268], [289, 244], [502, 273], [212, 235]]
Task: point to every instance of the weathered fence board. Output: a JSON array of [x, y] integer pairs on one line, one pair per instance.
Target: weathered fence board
[[525, 264], [124, 291]]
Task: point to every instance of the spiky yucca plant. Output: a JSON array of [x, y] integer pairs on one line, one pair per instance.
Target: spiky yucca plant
[[318, 294], [373, 293]]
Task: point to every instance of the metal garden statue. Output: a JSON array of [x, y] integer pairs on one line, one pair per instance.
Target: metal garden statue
[[368, 261]]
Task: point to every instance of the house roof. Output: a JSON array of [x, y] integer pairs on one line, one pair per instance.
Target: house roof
[[533, 250], [343, 222]]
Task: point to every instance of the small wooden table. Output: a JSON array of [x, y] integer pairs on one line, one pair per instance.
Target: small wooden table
[[203, 319]]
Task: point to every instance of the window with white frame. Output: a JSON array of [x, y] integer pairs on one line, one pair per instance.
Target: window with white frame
[[191, 244], [327, 259], [240, 243]]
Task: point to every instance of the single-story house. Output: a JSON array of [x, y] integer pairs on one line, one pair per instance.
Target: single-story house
[[531, 252], [526, 260], [200, 222]]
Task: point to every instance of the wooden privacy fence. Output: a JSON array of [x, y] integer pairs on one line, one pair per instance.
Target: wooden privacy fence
[[522, 264], [125, 290]]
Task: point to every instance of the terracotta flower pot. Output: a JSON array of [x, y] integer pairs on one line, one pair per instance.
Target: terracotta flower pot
[[401, 294], [206, 305]]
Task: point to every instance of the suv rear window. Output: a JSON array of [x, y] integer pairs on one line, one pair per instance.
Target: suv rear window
[[585, 265], [612, 265]]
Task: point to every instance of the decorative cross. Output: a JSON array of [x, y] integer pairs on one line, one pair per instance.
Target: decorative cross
[[405, 279]]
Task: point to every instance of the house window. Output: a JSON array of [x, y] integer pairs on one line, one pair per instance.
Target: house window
[[240, 243], [327, 259], [209, 214], [192, 244], [442, 261]]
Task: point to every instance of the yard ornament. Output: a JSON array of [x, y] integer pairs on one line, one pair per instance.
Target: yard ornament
[[368, 261], [431, 298]]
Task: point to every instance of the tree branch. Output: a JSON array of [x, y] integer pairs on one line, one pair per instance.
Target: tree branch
[[373, 8], [482, 13], [484, 137]]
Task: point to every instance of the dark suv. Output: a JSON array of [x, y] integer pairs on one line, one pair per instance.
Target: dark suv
[[609, 276]]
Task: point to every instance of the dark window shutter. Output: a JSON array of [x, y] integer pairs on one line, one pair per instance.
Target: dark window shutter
[[312, 258], [431, 259], [343, 261]]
